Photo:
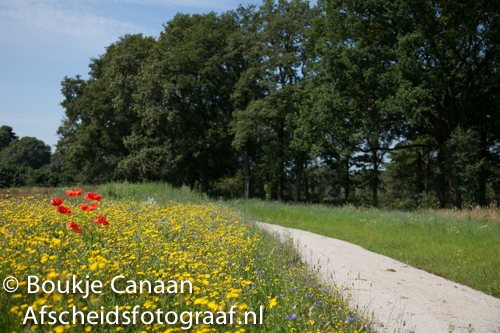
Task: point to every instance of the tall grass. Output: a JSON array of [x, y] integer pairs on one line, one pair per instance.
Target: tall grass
[[450, 245], [161, 193]]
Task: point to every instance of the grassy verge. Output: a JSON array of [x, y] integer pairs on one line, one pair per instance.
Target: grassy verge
[[148, 192], [451, 246], [153, 236]]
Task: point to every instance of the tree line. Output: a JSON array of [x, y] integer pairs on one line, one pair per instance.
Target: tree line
[[346, 101], [28, 161]]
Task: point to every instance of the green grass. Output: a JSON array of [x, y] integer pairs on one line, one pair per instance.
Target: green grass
[[464, 251], [159, 192]]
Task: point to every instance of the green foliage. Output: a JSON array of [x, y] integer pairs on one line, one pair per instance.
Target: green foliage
[[348, 101], [229, 186], [57, 163], [274, 44], [6, 136], [344, 112], [401, 71], [463, 148], [183, 103], [19, 176], [99, 112], [27, 152]]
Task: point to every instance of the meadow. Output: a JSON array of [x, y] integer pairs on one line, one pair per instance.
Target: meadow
[[154, 233], [462, 246]]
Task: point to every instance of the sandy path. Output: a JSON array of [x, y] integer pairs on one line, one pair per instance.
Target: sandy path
[[423, 302]]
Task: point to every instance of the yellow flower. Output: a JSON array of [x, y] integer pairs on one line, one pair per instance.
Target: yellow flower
[[59, 329], [273, 302]]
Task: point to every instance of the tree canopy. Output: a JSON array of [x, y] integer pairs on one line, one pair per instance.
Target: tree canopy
[[27, 152], [6, 136], [283, 100]]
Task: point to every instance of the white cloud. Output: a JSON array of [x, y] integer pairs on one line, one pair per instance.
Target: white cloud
[[74, 18]]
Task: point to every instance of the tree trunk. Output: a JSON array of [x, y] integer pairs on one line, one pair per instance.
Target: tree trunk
[[297, 186], [426, 176], [440, 178], [280, 182], [306, 186], [298, 181], [482, 171], [420, 185], [247, 172], [204, 172], [375, 179], [453, 191], [280, 160], [347, 179]]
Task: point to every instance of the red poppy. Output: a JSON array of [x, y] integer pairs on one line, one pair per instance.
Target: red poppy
[[64, 210], [75, 193], [92, 196], [75, 227], [56, 201], [86, 208], [101, 220]]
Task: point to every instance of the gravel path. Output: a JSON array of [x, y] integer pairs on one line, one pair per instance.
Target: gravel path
[[402, 298]]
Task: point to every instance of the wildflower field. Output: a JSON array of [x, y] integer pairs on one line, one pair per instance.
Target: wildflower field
[[171, 267]]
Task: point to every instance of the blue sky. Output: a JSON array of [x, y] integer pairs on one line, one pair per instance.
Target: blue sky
[[43, 41]]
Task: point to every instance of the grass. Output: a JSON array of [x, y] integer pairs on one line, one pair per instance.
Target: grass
[[157, 233], [447, 244], [155, 192]]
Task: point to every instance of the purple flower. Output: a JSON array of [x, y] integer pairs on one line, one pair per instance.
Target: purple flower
[[293, 316]]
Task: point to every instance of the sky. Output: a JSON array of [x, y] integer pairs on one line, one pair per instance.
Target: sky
[[43, 41]]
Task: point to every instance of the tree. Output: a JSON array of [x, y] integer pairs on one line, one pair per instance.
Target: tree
[[449, 64], [99, 112], [246, 44], [185, 106], [326, 127], [6, 136], [282, 31], [463, 146], [442, 57], [410, 172], [27, 152], [349, 83]]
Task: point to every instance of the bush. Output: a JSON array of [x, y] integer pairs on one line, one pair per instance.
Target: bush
[[18, 176]]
